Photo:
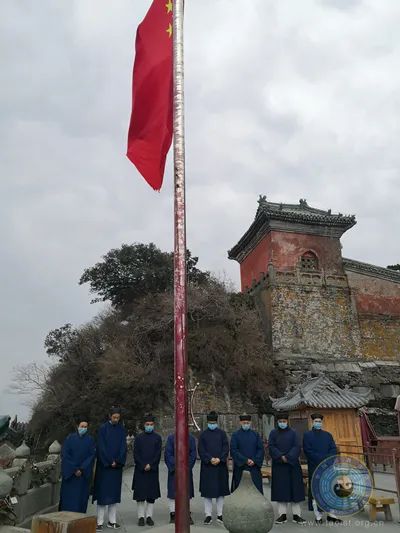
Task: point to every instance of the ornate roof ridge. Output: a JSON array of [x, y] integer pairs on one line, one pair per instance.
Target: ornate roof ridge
[[371, 270], [302, 207]]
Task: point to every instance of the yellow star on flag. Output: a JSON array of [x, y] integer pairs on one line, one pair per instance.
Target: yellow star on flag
[[169, 30], [169, 6]]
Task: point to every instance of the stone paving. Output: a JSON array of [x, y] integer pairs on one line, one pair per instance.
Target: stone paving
[[128, 518]]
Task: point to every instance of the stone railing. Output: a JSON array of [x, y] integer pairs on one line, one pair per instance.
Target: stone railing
[[29, 487]]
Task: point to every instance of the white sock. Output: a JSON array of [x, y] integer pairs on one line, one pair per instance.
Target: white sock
[[112, 513], [149, 510], [208, 506], [171, 505], [282, 508], [220, 505], [140, 509], [317, 514], [101, 509], [296, 509]]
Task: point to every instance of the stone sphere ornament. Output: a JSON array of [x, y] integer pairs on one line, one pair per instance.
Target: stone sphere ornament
[[247, 510]]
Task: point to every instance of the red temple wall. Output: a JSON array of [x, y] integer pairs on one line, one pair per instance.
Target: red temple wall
[[287, 248], [375, 296], [256, 263], [284, 250]]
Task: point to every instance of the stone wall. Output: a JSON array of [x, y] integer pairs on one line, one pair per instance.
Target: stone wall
[[308, 314], [313, 320], [380, 337]]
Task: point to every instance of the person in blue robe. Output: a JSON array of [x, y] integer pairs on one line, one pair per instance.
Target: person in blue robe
[[146, 483], [77, 462], [287, 477], [247, 452], [318, 445], [169, 458], [111, 458], [214, 476]]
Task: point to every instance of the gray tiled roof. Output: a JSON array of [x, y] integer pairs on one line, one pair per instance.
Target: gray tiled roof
[[371, 270], [288, 216], [320, 392], [302, 212]]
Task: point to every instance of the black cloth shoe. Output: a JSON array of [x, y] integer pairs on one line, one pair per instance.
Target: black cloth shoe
[[208, 520], [141, 521], [333, 519], [99, 527], [319, 521], [113, 526], [149, 521], [281, 520], [219, 519], [172, 518], [298, 520]]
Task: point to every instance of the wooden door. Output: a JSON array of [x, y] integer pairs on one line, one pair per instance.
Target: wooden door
[[344, 424]]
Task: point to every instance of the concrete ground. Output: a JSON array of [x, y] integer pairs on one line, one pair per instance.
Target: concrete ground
[[127, 516]]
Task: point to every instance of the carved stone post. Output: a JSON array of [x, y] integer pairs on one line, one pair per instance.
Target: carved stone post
[[22, 481], [54, 451], [55, 457]]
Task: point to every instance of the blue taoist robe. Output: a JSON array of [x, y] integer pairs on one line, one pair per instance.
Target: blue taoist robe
[[318, 445], [247, 445], [169, 458], [78, 453], [214, 480], [111, 447], [146, 451], [287, 478]]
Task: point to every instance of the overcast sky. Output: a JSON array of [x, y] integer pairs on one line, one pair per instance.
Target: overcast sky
[[288, 98]]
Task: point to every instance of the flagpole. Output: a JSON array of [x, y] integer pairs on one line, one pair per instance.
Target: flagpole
[[182, 524]]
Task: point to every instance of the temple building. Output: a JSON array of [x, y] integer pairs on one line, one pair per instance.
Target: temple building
[[339, 408], [320, 311]]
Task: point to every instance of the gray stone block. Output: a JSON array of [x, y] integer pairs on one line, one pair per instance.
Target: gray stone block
[[34, 501]]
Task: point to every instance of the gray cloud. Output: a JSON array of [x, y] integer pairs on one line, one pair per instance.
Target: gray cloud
[[289, 99]]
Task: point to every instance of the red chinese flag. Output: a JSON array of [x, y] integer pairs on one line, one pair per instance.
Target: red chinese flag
[[150, 130]]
